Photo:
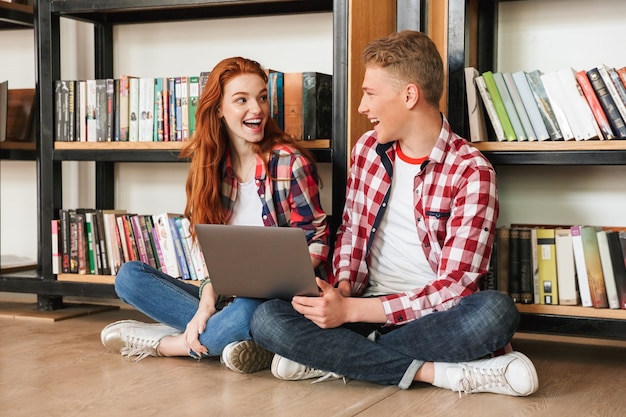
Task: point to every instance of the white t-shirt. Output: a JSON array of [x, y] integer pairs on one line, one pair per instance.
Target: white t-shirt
[[397, 261], [248, 209]]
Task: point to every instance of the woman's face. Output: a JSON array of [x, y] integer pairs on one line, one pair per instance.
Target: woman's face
[[245, 108]]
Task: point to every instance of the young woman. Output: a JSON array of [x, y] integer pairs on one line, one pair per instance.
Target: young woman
[[245, 171]]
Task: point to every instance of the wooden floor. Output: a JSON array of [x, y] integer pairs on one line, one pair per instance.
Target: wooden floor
[[60, 368]]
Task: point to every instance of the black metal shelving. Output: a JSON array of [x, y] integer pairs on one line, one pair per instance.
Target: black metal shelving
[[15, 16], [104, 15], [574, 323]]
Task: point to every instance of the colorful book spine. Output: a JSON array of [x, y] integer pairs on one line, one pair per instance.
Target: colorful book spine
[[548, 282], [194, 91], [608, 104], [499, 105], [490, 108], [594, 105], [530, 105], [509, 106], [178, 246], [543, 104]]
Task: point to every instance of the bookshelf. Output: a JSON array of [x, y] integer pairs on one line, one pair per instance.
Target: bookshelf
[[105, 15], [478, 47]]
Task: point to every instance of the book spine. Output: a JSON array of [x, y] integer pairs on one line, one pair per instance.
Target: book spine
[[525, 263], [185, 239], [116, 110], [621, 106], [559, 104], [82, 243], [133, 109], [594, 105], [316, 105], [184, 103], [110, 109], [194, 89], [165, 97], [122, 236], [91, 242], [64, 231], [73, 242], [147, 241], [543, 104], [171, 88], [548, 284], [178, 246], [594, 267], [617, 249], [490, 108], [504, 234], [475, 114], [129, 234], [81, 111], [514, 266], [499, 105], [197, 258], [158, 251], [124, 107], [606, 101], [292, 89], [519, 106], [535, 265], [71, 111], [179, 108], [56, 254], [581, 267], [565, 268], [158, 110], [146, 107], [622, 75], [509, 106], [92, 104], [58, 111], [275, 92], [607, 269], [170, 263], [585, 124], [530, 105], [105, 267], [139, 241], [101, 110]]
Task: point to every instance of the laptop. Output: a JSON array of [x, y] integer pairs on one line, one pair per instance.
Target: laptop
[[257, 261]]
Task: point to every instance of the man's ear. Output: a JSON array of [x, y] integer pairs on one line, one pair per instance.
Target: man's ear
[[412, 95]]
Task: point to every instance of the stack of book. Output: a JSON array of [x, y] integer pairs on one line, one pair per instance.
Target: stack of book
[[140, 109], [98, 242], [560, 105], [560, 265]]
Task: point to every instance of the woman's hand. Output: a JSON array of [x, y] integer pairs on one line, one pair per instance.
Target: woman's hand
[[195, 327]]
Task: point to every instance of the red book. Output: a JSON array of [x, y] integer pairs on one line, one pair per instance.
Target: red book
[[622, 75], [594, 104]]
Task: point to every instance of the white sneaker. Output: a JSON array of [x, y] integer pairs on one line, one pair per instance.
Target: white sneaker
[[134, 339], [509, 374], [283, 368], [246, 357]]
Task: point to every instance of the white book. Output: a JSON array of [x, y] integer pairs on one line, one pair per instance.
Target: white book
[[196, 254], [81, 111], [565, 267], [490, 108], [521, 135], [476, 116], [146, 109], [607, 269], [133, 109], [585, 121], [539, 127], [166, 241], [581, 267], [519, 106], [558, 102], [92, 104]]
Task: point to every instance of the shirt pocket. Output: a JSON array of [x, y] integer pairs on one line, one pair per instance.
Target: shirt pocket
[[437, 221]]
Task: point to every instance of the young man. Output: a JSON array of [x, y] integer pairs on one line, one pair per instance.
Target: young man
[[416, 236]]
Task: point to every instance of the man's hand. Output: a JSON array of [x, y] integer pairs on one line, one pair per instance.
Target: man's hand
[[329, 310]]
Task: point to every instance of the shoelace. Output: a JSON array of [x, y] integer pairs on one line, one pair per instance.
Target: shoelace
[[141, 348], [329, 376], [475, 378]]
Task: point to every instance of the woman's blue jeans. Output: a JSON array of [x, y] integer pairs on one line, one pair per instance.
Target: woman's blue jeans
[[478, 325], [174, 302]]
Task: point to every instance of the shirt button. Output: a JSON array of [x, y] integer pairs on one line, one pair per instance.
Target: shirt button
[[262, 195], [373, 230], [265, 217]]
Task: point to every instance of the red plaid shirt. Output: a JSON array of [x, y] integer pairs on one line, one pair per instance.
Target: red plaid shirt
[[290, 200], [456, 208]]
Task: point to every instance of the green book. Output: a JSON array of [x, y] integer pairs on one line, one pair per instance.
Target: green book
[[499, 105]]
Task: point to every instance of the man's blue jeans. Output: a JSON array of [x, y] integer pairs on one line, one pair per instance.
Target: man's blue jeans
[[477, 326], [174, 302]]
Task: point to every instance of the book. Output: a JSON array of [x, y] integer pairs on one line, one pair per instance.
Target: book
[[178, 247], [197, 258], [90, 227], [153, 239], [133, 109], [317, 105], [490, 108], [70, 111], [275, 82], [166, 242], [92, 104], [166, 109], [146, 237], [496, 98], [171, 89], [585, 125], [112, 239], [621, 72], [581, 267], [535, 265], [146, 108], [509, 106], [194, 95], [81, 111], [525, 266], [607, 269], [178, 87], [528, 101], [110, 109], [186, 243], [548, 282], [606, 101], [514, 265], [543, 104], [475, 114], [503, 239], [593, 266], [519, 106], [124, 106], [610, 86], [560, 105], [4, 108], [184, 104], [139, 239], [83, 248], [122, 234], [617, 82], [101, 110], [64, 237], [56, 254], [61, 114], [157, 130], [565, 268], [594, 105], [292, 92], [617, 249]]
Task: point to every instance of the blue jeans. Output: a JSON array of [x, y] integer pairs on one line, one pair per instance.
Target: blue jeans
[[174, 302], [477, 326]]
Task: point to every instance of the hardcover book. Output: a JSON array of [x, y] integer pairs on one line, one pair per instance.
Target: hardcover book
[[293, 103], [594, 105], [503, 240], [581, 267], [585, 123], [317, 105], [617, 249], [610, 86], [548, 282], [607, 269], [166, 242], [560, 105], [525, 264], [490, 108], [519, 106], [543, 104], [509, 106], [275, 90], [514, 265], [565, 267], [499, 105], [475, 114], [608, 104]]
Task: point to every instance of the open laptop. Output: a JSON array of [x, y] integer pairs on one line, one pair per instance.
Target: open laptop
[[257, 261]]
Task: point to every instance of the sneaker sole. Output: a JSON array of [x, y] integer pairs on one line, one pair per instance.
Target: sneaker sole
[[248, 357]]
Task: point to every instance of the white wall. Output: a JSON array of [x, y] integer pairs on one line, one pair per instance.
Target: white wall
[[549, 35], [286, 43]]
